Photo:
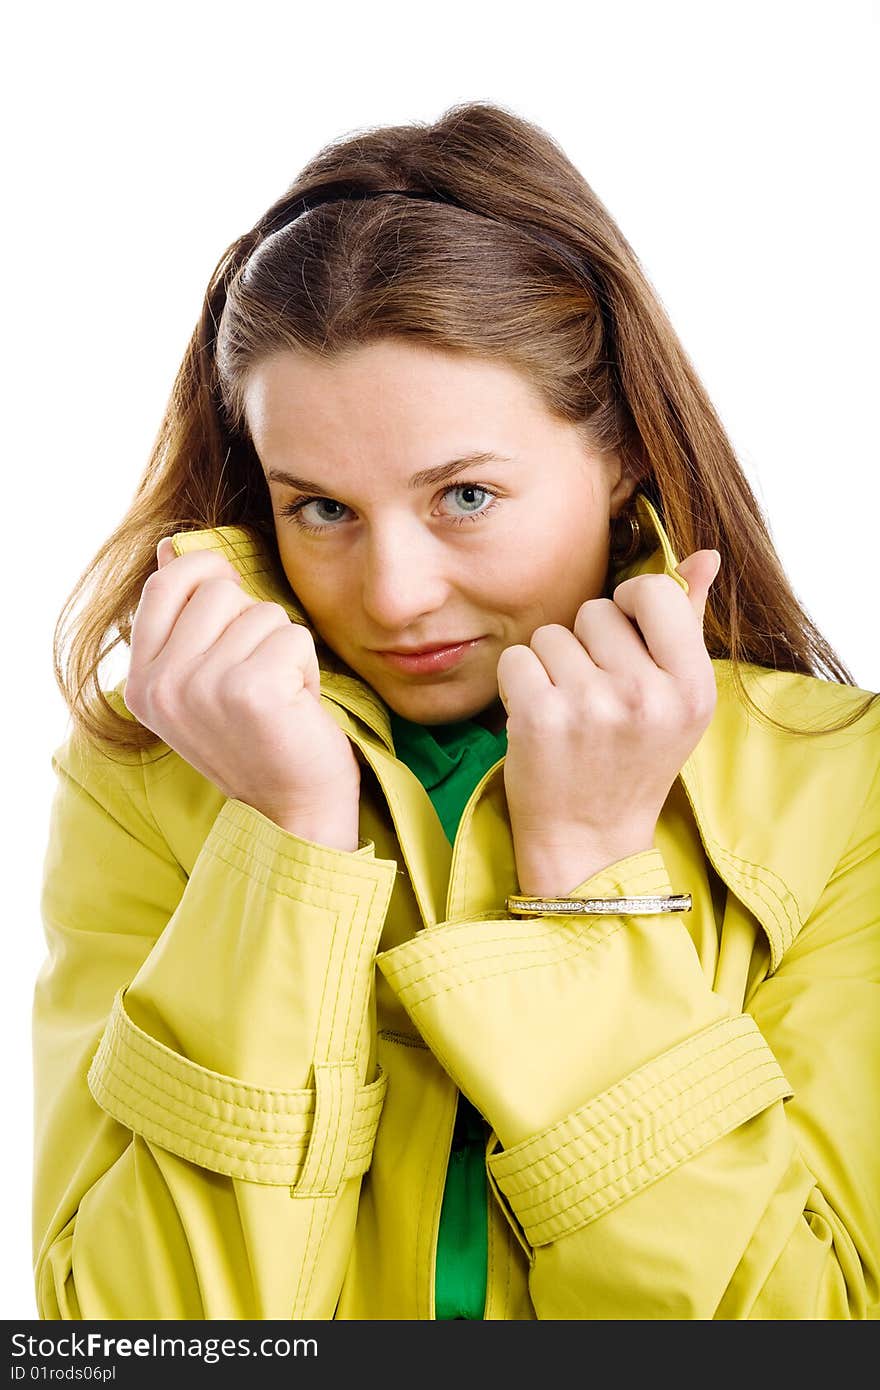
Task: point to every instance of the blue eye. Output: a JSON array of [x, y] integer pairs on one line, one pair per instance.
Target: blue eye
[[294, 511], [471, 488], [475, 509]]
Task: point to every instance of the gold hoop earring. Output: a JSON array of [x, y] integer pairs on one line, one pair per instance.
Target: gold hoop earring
[[626, 538]]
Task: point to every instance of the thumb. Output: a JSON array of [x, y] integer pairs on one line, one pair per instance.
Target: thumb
[[311, 670], [700, 571], [165, 551]]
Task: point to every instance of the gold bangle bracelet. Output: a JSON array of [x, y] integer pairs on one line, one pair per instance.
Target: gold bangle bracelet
[[521, 906]]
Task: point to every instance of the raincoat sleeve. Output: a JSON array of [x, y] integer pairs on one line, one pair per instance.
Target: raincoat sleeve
[[659, 1155], [206, 1092]]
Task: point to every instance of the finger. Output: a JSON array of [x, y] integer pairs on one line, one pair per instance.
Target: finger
[[214, 605], [522, 678], [165, 595], [668, 622], [249, 631], [165, 551], [287, 653], [700, 570], [613, 641], [567, 661]]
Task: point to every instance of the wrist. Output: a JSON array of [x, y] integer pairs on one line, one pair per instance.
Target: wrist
[[554, 873], [332, 834], [336, 827]]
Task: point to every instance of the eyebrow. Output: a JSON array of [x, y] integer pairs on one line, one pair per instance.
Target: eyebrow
[[425, 478]]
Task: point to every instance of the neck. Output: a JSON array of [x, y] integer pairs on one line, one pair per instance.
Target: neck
[[494, 717]]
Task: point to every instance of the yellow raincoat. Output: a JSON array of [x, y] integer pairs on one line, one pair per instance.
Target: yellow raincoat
[[247, 1046]]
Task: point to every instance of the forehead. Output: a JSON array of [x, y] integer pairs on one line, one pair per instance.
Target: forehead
[[392, 394]]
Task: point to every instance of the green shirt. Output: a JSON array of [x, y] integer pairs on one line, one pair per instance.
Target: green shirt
[[449, 760]]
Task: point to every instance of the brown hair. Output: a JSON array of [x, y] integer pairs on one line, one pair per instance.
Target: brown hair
[[543, 280]]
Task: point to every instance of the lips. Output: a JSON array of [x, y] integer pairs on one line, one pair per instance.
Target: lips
[[430, 660], [432, 647]]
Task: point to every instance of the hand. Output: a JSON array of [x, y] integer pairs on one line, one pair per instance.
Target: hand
[[233, 686], [600, 723]]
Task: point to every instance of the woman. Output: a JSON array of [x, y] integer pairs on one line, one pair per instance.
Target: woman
[[463, 908]]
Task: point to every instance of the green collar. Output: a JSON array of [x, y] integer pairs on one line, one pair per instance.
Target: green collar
[[435, 752]]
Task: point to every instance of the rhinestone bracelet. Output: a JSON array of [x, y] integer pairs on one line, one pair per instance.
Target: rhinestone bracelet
[[521, 906]]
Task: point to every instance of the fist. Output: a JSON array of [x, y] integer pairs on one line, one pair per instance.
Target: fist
[[600, 722], [233, 686]]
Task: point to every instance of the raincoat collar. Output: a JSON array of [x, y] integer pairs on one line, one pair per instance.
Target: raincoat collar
[[264, 579], [753, 791]]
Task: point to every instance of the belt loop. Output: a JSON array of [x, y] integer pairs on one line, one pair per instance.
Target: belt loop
[[323, 1169]]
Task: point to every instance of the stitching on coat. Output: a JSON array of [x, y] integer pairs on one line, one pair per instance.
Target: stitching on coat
[[442, 959], [633, 1088], [541, 940], [320, 1137], [498, 974], [404, 1039], [295, 1104], [399, 818], [272, 877], [319, 1237], [361, 986], [157, 1101], [668, 1157], [776, 907], [205, 1116], [321, 1167], [180, 1091], [666, 1148], [231, 1142], [352, 960], [783, 927], [710, 1105], [769, 879], [258, 847], [307, 1254], [457, 840], [441, 962], [298, 1104], [330, 1129], [323, 1045], [212, 1155]]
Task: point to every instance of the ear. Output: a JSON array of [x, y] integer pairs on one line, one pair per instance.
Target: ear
[[624, 484]]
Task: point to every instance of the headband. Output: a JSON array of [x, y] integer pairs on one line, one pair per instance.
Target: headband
[[343, 192]]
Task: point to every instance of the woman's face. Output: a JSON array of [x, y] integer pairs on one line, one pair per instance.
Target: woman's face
[[429, 500]]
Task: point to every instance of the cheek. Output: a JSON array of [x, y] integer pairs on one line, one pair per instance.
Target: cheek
[[304, 570], [555, 580], [313, 586]]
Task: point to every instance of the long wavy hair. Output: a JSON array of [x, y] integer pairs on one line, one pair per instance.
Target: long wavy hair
[[541, 279]]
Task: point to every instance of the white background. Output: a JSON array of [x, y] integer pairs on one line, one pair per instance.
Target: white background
[[734, 143]]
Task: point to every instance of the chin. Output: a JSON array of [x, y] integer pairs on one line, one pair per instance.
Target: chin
[[437, 705]]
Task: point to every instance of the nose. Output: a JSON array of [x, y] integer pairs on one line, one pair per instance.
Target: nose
[[404, 576]]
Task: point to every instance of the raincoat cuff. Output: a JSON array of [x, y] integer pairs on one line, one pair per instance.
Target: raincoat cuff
[[257, 1133], [638, 1130]]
